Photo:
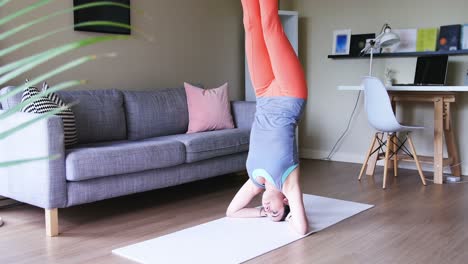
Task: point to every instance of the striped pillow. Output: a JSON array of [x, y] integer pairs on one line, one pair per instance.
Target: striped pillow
[[48, 103]]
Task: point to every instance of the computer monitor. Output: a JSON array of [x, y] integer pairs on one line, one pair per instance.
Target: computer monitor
[[431, 70]]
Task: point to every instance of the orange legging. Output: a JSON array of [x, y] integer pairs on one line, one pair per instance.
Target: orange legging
[[274, 67]]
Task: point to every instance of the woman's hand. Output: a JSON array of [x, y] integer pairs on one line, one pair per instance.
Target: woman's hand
[[262, 212], [297, 217]]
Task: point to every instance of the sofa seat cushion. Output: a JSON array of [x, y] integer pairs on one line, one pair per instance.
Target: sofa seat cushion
[[105, 159], [211, 144]]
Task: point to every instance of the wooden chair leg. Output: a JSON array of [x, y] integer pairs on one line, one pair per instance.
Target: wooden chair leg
[[387, 155], [371, 164], [371, 148], [51, 222], [416, 159], [395, 156]]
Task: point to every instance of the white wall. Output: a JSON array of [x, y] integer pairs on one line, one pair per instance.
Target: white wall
[[328, 110], [198, 41], [286, 5]]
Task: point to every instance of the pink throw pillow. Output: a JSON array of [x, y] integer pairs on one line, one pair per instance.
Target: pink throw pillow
[[209, 109]]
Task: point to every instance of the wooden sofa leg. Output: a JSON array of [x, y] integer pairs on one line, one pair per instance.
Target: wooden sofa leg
[[51, 222]]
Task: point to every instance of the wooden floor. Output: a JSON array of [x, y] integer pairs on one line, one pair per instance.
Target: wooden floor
[[409, 224]]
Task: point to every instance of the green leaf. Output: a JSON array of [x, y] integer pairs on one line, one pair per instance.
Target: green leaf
[[52, 89], [47, 75], [43, 36], [24, 11], [16, 64], [4, 2], [52, 53], [45, 18], [16, 68], [24, 125], [19, 162], [14, 47], [103, 23]]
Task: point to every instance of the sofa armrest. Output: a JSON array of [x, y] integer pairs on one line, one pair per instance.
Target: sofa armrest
[[40, 183], [243, 113]]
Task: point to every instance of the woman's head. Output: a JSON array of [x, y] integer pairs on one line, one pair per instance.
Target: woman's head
[[275, 205]]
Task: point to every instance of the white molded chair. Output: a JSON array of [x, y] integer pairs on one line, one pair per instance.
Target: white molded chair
[[381, 117]]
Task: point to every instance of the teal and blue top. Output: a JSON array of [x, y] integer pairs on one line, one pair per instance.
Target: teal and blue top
[[273, 151]]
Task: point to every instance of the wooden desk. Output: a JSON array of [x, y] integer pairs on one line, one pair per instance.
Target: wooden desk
[[442, 97]]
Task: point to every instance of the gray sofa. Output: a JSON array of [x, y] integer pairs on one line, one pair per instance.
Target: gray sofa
[[130, 142]]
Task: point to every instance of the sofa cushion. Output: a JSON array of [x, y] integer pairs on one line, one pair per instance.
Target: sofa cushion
[[156, 113], [49, 103], [243, 113], [112, 158], [206, 145], [100, 114], [209, 109], [10, 101]]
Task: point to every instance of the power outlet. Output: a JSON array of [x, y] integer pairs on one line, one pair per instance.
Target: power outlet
[[466, 78]]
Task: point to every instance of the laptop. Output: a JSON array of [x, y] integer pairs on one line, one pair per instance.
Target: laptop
[[430, 70]]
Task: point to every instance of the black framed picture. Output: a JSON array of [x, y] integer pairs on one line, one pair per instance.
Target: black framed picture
[[103, 13], [358, 42]]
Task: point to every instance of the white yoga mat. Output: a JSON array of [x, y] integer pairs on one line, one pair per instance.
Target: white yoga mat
[[235, 240]]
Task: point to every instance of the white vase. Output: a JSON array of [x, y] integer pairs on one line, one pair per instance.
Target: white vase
[[388, 82]]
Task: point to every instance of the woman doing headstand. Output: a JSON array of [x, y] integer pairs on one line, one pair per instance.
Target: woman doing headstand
[[281, 91]]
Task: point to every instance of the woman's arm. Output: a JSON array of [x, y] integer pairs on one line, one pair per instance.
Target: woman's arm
[[242, 199], [297, 218]]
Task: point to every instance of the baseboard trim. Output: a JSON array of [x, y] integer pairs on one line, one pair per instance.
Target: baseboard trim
[[307, 153], [6, 202]]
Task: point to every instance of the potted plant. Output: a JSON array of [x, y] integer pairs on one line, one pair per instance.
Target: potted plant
[[20, 66]]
